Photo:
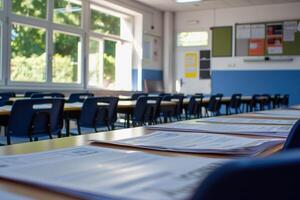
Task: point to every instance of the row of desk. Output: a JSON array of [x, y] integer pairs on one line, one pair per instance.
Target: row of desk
[[40, 193]]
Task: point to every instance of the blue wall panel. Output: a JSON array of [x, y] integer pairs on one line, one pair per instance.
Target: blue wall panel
[[147, 74], [258, 82]]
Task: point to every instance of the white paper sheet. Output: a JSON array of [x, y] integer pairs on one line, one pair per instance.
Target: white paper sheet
[[98, 173], [258, 31], [243, 31], [194, 126], [282, 112], [233, 120], [199, 143], [289, 30]]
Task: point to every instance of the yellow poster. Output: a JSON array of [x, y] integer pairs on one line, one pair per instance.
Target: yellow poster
[[191, 62]]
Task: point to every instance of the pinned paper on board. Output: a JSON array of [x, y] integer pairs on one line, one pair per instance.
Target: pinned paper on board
[[275, 38], [258, 31], [290, 29], [243, 31], [256, 47], [191, 62]]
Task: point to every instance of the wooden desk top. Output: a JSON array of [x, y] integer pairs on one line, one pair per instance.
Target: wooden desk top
[[127, 105], [40, 193]]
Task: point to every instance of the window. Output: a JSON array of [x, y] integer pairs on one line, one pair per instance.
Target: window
[[95, 62], [30, 8], [66, 58], [188, 39], [47, 41], [28, 53], [67, 12], [104, 23]]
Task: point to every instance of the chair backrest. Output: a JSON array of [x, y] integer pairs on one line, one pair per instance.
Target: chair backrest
[[192, 105], [138, 116], [4, 98], [286, 100], [293, 140], [179, 103], [30, 93], [214, 104], [98, 111], [153, 109], [135, 96], [276, 101], [254, 100], [47, 95], [79, 97], [35, 116], [236, 101], [275, 177]]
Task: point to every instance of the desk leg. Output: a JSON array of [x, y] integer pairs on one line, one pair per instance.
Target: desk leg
[[67, 124]]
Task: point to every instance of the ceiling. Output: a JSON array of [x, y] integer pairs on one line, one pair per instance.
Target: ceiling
[[171, 5]]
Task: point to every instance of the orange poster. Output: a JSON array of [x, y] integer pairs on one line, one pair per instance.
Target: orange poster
[[256, 47]]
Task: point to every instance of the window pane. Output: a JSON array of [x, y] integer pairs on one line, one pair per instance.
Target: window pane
[[67, 12], [28, 53], [66, 58], [30, 8], [1, 4], [109, 72], [104, 23], [186, 39], [95, 62]]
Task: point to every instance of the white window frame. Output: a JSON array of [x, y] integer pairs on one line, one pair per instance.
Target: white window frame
[[84, 32]]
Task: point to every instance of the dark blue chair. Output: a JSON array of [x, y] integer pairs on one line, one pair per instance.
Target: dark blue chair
[[285, 101], [135, 96], [33, 118], [192, 108], [98, 112], [276, 101], [235, 104], [4, 98], [79, 97], [214, 105], [153, 111], [293, 140], [254, 103], [47, 95], [266, 102], [276, 177], [138, 116]]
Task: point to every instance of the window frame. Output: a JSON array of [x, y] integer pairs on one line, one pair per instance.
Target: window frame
[[84, 32], [193, 46]]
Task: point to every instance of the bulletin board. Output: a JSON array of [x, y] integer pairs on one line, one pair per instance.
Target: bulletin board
[[222, 41], [268, 38]]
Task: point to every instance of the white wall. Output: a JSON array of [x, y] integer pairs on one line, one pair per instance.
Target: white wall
[[225, 17]]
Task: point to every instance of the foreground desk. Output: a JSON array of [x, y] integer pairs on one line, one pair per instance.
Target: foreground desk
[[38, 193]]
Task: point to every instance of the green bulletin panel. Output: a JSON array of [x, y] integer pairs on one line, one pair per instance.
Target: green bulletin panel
[[292, 48], [222, 41]]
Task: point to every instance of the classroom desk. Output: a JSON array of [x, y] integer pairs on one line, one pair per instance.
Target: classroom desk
[[39, 193]]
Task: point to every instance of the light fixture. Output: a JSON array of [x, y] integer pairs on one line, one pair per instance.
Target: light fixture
[[187, 1]]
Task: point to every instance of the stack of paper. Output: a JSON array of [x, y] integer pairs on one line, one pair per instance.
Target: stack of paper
[[230, 120], [282, 112], [198, 143], [99, 173], [193, 126], [275, 114]]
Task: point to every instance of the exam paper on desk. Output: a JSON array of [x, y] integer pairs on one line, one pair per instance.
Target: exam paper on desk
[[235, 120], [99, 173], [198, 143], [240, 129]]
